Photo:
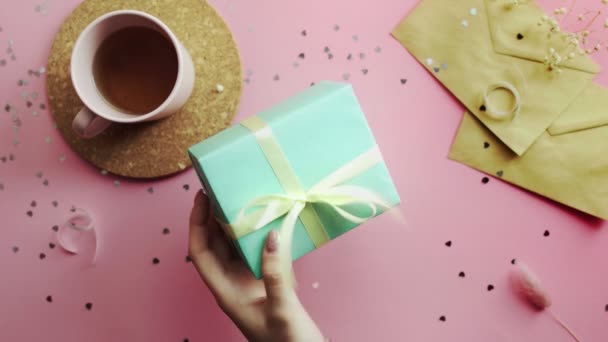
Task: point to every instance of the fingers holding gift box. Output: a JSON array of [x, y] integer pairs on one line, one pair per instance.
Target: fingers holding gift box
[[309, 167]]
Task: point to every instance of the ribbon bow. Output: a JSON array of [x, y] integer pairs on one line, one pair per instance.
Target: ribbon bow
[[329, 191]]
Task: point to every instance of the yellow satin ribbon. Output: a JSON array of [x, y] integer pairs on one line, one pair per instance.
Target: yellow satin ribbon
[[295, 203]]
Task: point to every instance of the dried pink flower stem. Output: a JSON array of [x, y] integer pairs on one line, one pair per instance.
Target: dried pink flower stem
[[563, 325], [530, 288]]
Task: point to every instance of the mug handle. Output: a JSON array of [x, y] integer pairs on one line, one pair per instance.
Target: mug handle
[[87, 124]]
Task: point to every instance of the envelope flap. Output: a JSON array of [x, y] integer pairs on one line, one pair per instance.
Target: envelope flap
[[589, 110], [516, 32]]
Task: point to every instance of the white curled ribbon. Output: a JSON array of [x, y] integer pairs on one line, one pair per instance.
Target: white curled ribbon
[[78, 231], [501, 115]]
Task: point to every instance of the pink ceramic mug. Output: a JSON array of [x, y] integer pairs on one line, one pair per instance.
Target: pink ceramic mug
[[98, 114]]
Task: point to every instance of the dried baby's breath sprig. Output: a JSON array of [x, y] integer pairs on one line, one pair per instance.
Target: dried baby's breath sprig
[[560, 11], [592, 21], [551, 23], [575, 43], [515, 3], [553, 60]]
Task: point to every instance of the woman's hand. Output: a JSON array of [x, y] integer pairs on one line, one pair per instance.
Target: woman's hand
[[265, 310]]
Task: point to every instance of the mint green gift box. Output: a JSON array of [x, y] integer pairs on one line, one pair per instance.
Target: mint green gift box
[[319, 131]]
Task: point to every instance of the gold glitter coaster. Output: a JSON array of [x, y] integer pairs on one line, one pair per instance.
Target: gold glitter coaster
[[154, 149]]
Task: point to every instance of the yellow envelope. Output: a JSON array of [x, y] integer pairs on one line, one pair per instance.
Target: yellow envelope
[[483, 49], [568, 163], [551, 141]]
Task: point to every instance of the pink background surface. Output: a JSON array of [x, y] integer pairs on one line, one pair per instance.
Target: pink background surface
[[382, 282]]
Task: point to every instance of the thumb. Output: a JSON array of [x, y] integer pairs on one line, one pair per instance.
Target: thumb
[[276, 280]]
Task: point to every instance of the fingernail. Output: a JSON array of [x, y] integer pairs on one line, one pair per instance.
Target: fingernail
[[272, 242]]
